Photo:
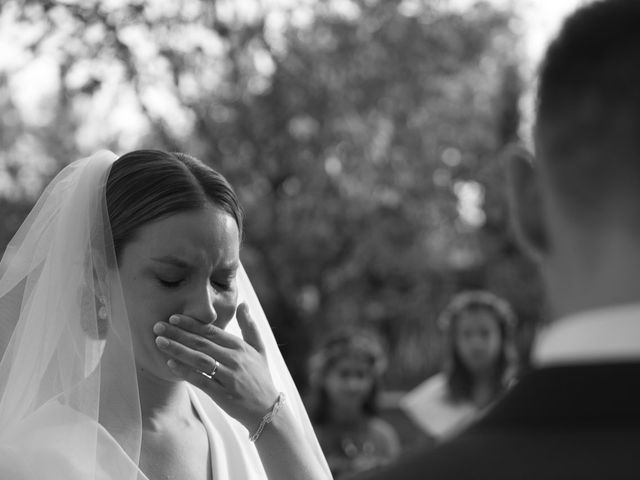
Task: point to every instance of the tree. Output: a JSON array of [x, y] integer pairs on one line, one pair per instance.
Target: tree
[[355, 132]]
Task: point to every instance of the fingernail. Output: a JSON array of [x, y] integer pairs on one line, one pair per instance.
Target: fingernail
[[162, 342], [174, 319], [158, 328]]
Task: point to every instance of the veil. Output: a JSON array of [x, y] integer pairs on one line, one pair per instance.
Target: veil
[[69, 401]]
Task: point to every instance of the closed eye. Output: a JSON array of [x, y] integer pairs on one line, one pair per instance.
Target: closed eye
[[223, 282], [224, 285], [170, 283]]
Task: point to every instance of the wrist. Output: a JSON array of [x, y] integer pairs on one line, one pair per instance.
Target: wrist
[[267, 418]]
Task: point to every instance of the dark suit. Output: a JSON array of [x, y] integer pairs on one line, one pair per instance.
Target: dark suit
[[564, 423]]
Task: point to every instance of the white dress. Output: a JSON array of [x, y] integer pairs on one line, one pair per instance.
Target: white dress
[[430, 408], [42, 452], [232, 455]]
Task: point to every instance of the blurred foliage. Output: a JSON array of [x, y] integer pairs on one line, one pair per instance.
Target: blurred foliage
[[363, 137]]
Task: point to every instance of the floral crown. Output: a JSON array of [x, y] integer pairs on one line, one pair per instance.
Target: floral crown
[[346, 343], [477, 298]]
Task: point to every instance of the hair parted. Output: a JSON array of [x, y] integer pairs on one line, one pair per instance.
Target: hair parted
[[588, 110], [147, 185]]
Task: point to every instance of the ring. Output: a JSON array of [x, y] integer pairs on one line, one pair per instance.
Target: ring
[[215, 368]]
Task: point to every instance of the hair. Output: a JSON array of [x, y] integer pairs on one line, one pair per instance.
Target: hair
[[460, 381], [588, 112], [336, 346], [147, 185]]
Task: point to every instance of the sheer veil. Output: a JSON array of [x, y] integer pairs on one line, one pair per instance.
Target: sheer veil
[[69, 402]]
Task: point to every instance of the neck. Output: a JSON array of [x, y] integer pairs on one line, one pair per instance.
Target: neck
[[162, 400], [482, 378], [346, 415], [141, 398], [483, 387], [603, 274]]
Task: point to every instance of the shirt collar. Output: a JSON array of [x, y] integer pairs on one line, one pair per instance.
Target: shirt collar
[[596, 336]]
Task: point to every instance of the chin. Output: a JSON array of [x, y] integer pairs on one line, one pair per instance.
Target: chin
[[154, 363]]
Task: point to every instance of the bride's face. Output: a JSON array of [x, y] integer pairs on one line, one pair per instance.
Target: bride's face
[[186, 264]]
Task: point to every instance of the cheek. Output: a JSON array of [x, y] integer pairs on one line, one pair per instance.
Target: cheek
[[333, 385], [147, 305], [366, 384], [225, 308], [495, 345], [224, 317], [462, 346]]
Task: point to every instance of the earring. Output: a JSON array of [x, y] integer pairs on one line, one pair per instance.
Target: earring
[[102, 312]]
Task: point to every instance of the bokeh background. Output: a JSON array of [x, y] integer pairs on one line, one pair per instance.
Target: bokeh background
[[364, 138]]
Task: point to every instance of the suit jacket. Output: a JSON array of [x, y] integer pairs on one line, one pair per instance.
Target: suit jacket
[[564, 423]]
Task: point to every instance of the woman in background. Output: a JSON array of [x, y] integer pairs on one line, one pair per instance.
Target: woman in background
[[345, 374], [478, 365]]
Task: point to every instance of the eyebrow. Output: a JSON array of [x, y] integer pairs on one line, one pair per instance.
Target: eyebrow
[[171, 260], [180, 263]]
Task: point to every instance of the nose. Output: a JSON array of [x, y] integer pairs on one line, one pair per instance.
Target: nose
[[200, 304]]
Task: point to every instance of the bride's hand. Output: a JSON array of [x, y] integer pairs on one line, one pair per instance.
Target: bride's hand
[[241, 384]]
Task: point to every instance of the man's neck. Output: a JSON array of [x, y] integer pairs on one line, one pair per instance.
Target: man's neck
[[580, 280]]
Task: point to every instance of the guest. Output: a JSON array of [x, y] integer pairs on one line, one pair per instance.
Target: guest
[[576, 210], [345, 374], [478, 364]]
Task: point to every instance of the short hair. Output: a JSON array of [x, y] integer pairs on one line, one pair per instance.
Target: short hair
[[147, 185], [587, 129]]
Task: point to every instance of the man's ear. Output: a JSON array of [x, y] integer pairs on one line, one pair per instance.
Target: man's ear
[[525, 203]]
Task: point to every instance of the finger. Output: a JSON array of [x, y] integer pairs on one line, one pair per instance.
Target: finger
[[185, 355], [249, 328], [195, 342], [207, 330], [210, 385]]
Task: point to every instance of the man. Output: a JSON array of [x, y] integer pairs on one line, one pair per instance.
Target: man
[[577, 211]]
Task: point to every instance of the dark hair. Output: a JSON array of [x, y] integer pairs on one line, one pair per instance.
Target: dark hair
[[588, 110], [146, 185], [460, 380], [337, 345]]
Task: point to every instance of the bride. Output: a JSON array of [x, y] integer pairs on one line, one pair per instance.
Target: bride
[[133, 345]]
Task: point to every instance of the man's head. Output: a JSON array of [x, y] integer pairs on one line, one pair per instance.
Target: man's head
[[588, 113], [583, 189]]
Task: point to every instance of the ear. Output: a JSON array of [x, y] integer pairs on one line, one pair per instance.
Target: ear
[[525, 203]]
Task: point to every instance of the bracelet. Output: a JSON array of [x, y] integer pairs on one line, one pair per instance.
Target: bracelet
[[268, 418]]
